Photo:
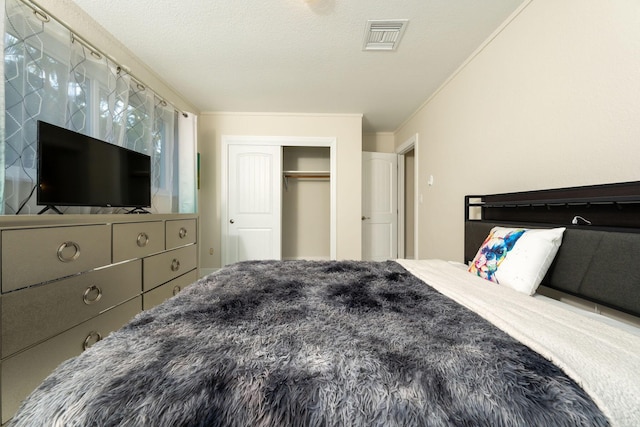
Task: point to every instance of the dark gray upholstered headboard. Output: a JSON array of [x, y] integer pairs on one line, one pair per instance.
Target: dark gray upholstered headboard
[[599, 262]]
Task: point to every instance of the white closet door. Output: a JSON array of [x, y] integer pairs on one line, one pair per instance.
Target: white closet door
[[254, 203], [379, 206]]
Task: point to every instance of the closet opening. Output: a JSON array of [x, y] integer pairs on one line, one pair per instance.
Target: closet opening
[[306, 203]]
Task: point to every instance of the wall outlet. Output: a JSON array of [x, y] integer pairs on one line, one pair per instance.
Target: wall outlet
[[210, 251]]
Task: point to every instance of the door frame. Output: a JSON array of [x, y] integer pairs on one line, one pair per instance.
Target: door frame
[[281, 141], [401, 150]]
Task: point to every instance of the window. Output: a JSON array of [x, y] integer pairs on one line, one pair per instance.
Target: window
[[52, 76]]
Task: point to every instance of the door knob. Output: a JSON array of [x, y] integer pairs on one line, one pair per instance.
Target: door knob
[[365, 217], [231, 221]]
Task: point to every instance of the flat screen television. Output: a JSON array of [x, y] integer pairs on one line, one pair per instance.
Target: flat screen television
[[78, 170]]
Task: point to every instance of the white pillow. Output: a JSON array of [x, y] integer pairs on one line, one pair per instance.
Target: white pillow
[[517, 257]]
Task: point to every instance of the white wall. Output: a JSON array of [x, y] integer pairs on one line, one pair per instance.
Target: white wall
[[347, 129], [552, 100]]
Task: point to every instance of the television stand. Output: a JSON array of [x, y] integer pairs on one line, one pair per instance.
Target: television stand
[[53, 208], [138, 211]]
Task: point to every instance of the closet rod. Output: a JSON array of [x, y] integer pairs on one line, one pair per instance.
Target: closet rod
[[304, 175], [307, 174]]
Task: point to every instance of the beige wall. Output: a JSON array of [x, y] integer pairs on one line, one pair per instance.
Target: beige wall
[[379, 142], [347, 129], [552, 101]]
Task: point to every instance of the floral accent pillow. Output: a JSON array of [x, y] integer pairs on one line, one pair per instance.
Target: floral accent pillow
[[517, 257]]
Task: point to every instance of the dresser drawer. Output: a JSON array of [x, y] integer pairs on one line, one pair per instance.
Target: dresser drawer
[[23, 372], [41, 254], [137, 239], [180, 232], [34, 314], [163, 292], [161, 268]]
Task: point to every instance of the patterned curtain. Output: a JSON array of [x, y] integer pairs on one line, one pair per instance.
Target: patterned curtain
[[53, 76]]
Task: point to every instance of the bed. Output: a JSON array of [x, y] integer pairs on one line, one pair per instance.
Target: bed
[[400, 342]]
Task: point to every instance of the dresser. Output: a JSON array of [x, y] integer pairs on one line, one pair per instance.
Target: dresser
[[68, 281]]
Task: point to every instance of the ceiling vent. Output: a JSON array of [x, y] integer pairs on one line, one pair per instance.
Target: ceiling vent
[[384, 34]]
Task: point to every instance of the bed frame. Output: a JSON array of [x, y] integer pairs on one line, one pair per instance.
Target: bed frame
[[599, 259]]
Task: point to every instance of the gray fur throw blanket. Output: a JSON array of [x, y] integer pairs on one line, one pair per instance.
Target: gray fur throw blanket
[[309, 343]]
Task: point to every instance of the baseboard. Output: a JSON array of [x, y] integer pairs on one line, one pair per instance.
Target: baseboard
[[207, 271]]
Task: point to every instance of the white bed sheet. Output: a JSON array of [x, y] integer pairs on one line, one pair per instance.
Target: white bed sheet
[[630, 327], [600, 356], [635, 330]]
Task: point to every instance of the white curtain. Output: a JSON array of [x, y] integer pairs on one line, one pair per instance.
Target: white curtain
[[187, 124], [51, 75], [2, 117]]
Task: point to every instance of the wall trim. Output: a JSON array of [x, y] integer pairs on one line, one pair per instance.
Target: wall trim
[[410, 144], [207, 271]]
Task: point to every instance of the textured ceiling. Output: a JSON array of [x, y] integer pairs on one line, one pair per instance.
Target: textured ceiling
[[301, 56]]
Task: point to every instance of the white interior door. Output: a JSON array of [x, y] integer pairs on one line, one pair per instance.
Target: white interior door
[[379, 206], [253, 203]]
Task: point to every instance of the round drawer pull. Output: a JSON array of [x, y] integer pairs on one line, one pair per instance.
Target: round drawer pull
[[175, 265], [182, 233], [92, 295], [68, 251], [143, 239], [91, 339], [176, 290]]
